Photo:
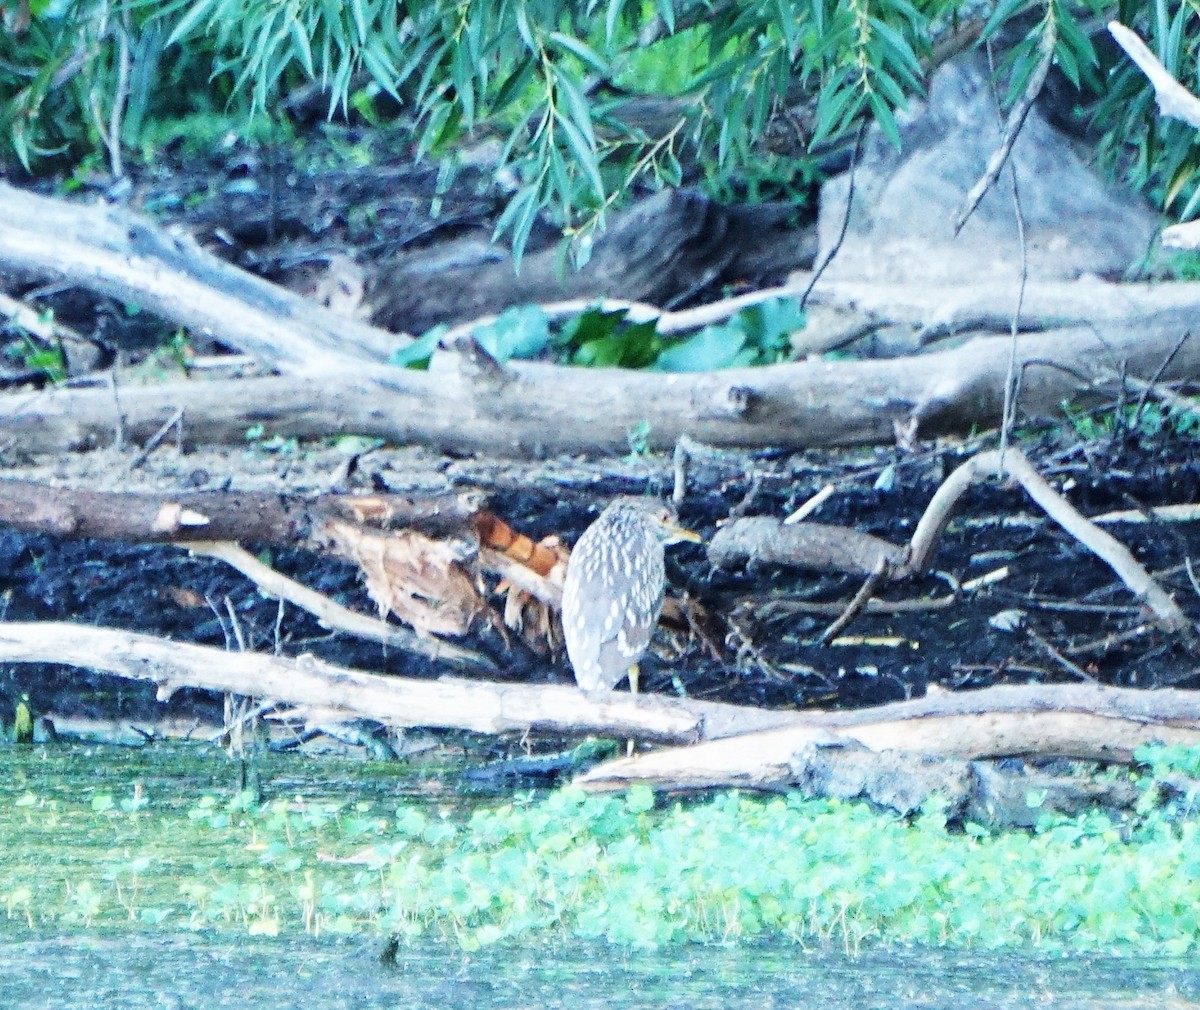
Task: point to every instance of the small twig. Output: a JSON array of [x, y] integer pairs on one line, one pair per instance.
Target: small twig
[[854, 155], [1070, 607], [279, 612], [153, 441], [1012, 377], [810, 506], [777, 608], [1158, 374], [1012, 129], [119, 422], [746, 647], [1191, 574], [679, 466], [1015, 464], [216, 612], [1105, 643], [752, 492], [881, 573], [1058, 657], [235, 624]]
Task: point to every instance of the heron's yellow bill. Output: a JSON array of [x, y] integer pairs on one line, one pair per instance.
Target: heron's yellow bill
[[677, 533]]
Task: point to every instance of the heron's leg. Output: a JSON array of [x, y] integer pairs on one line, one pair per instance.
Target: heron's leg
[[634, 675]]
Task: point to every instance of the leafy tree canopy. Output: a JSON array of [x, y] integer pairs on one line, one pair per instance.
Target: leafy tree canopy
[[564, 86]]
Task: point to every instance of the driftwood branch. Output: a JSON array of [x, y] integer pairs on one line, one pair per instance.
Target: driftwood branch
[[415, 551], [1174, 100], [260, 518], [128, 256], [518, 408], [306, 682], [1069, 720], [527, 408], [1079, 721], [832, 548], [934, 311], [1015, 464]]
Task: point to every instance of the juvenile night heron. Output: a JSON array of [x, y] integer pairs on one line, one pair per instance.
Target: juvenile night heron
[[614, 591]]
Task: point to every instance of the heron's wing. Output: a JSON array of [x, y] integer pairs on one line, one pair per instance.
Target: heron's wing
[[614, 610]]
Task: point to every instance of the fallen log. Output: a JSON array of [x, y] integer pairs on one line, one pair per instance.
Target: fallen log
[[1072, 721], [112, 250], [289, 520], [734, 745], [308, 683], [468, 403]]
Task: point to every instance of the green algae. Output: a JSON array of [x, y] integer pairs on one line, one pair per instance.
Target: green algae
[[154, 838]]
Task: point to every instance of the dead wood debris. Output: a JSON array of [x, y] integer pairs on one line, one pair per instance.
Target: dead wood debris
[[418, 579], [826, 548], [537, 408]]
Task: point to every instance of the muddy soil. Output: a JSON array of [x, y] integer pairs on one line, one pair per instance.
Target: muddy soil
[[751, 647], [1057, 607]]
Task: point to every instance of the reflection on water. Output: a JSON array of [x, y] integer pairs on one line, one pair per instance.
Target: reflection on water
[[211, 973]]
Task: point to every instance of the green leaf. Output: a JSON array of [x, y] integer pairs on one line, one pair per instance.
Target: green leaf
[[611, 16], [522, 331], [580, 113], [582, 50], [639, 799], [627, 347], [514, 84], [1005, 11], [585, 157], [885, 118], [713, 347], [517, 219], [198, 11], [666, 11], [299, 36], [381, 69], [417, 354]]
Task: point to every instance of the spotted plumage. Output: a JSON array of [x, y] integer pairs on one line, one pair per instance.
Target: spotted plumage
[[614, 590]]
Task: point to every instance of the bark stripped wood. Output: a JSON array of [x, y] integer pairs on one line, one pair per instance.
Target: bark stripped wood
[[1068, 720], [940, 310], [761, 540], [110, 250], [1174, 100], [1015, 464], [333, 615], [538, 409], [1182, 236], [832, 548], [776, 758], [306, 682]]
